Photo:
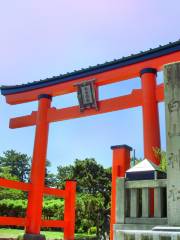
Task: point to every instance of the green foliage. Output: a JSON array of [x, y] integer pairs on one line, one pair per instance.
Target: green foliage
[[94, 186], [86, 209], [160, 154], [50, 178], [53, 209], [5, 173], [80, 230], [63, 173], [93, 191], [9, 207], [91, 177], [92, 230], [17, 163], [9, 193]]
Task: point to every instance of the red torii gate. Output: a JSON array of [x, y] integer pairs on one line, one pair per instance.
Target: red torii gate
[[145, 65]]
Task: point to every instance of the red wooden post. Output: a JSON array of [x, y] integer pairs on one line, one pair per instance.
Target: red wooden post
[[121, 162], [69, 210], [35, 198], [150, 114], [150, 120]]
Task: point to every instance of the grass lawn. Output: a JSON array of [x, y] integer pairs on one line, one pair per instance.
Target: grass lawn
[[6, 232]]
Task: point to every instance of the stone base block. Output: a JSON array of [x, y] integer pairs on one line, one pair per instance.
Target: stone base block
[[33, 237]]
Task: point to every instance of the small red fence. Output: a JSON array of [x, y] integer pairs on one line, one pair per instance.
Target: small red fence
[[68, 223]]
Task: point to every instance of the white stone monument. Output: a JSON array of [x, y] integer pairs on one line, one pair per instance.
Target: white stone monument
[[172, 107]]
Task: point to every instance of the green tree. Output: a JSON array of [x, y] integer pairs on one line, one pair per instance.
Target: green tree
[[17, 163], [94, 191], [91, 177], [50, 178], [63, 173]]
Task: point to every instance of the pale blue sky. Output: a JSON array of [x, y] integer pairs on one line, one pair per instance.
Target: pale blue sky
[[41, 38]]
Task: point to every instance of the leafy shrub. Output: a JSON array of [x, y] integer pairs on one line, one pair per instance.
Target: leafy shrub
[[80, 230], [92, 230]]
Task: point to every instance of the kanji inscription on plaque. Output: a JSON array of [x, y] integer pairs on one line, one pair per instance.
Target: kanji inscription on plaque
[[87, 95]]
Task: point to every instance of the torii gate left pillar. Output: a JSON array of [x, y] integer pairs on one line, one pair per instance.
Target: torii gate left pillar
[[35, 199]]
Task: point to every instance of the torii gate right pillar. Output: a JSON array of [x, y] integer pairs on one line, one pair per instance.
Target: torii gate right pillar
[[150, 114], [151, 130]]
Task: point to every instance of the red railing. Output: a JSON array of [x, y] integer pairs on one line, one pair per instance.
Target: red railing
[[68, 194]]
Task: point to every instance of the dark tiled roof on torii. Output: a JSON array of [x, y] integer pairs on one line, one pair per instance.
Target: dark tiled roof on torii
[[117, 63]]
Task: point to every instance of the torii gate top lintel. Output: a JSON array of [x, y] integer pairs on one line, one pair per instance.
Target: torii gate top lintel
[[110, 72], [145, 65]]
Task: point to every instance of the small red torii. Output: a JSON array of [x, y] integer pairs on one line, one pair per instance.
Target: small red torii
[[145, 65]]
